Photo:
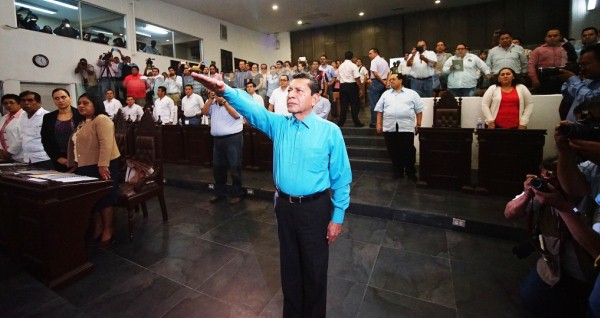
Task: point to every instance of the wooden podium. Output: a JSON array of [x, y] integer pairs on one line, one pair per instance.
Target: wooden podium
[[445, 158], [506, 156], [43, 224]]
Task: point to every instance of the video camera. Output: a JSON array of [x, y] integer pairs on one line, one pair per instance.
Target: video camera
[[107, 56], [149, 62], [420, 49], [587, 128]]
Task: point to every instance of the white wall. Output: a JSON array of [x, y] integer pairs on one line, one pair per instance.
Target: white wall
[[19, 46], [544, 116]]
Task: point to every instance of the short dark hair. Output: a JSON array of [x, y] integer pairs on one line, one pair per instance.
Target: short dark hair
[[14, 97], [594, 48], [325, 56], [136, 67], [516, 79], [108, 90], [98, 106], [189, 85], [171, 68], [251, 83], [36, 96], [156, 68], [374, 49], [312, 82], [348, 55], [60, 89], [162, 89], [501, 32], [285, 75], [590, 28]]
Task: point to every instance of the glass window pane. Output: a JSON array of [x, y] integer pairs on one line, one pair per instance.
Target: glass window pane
[[153, 39], [187, 47], [102, 26], [58, 17]]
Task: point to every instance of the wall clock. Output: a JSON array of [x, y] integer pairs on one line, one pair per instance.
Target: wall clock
[[40, 60]]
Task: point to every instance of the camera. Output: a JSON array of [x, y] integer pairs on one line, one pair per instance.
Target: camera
[[107, 56], [585, 129], [548, 71], [149, 62], [420, 49], [540, 184]]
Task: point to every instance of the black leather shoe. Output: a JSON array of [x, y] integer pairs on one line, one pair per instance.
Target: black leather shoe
[[216, 199]]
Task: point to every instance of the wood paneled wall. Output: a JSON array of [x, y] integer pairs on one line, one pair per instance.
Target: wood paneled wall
[[472, 25]]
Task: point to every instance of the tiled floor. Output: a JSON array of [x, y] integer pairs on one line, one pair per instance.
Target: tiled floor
[[222, 261]]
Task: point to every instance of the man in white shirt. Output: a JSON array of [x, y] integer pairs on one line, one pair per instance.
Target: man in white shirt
[[378, 80], [322, 107], [132, 111], [156, 80], [10, 129], [422, 63], [31, 127], [164, 108], [397, 110], [251, 89], [464, 69], [226, 127], [174, 84], [350, 91], [364, 76], [111, 104], [278, 100], [191, 104], [329, 74]]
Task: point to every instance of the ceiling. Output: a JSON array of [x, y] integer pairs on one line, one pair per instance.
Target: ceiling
[[258, 14]]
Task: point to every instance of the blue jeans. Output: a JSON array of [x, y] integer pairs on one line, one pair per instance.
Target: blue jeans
[[424, 87], [462, 92], [193, 121], [105, 84], [568, 298], [375, 91], [227, 155]]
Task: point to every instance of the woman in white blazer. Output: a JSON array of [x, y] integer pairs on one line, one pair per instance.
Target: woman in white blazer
[[507, 104]]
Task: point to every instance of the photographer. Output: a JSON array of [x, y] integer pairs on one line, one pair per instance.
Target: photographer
[[563, 277], [108, 70], [578, 89], [88, 77]]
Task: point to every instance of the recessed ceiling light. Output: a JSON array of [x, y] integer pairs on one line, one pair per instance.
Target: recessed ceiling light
[[361, 14], [437, 1], [275, 7], [300, 22]]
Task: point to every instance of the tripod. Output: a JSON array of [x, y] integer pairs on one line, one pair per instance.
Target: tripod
[[106, 80]]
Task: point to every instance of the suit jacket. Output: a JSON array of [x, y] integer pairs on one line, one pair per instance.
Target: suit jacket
[[49, 141], [96, 144]]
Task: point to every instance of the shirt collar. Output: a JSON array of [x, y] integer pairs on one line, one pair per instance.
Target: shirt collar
[[308, 121]]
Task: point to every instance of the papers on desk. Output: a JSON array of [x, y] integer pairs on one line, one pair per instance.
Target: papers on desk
[[55, 176]]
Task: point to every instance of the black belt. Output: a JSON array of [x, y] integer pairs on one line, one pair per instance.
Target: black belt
[[421, 78], [300, 198]]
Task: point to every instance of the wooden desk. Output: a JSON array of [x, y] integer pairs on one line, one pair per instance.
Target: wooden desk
[[506, 156], [43, 225], [445, 158]]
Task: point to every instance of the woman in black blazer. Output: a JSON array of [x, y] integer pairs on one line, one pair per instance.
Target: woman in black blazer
[[57, 128]]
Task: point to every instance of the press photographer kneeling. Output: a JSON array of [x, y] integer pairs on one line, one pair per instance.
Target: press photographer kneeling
[[560, 206]]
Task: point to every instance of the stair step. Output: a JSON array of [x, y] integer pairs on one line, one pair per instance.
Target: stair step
[[364, 141], [367, 164], [368, 152], [362, 131]]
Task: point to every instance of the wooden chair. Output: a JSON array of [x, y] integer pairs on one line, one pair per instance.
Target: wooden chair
[[447, 111], [148, 141]]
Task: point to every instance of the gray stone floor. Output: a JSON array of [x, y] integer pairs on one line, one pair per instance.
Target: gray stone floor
[[222, 261]]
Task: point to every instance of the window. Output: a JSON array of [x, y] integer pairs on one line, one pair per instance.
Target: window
[[62, 17], [58, 17], [155, 39], [102, 26]]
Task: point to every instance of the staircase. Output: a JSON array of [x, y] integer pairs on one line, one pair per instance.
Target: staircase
[[366, 148]]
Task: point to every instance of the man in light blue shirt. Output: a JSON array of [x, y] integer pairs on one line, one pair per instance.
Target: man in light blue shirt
[[397, 110], [309, 158]]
